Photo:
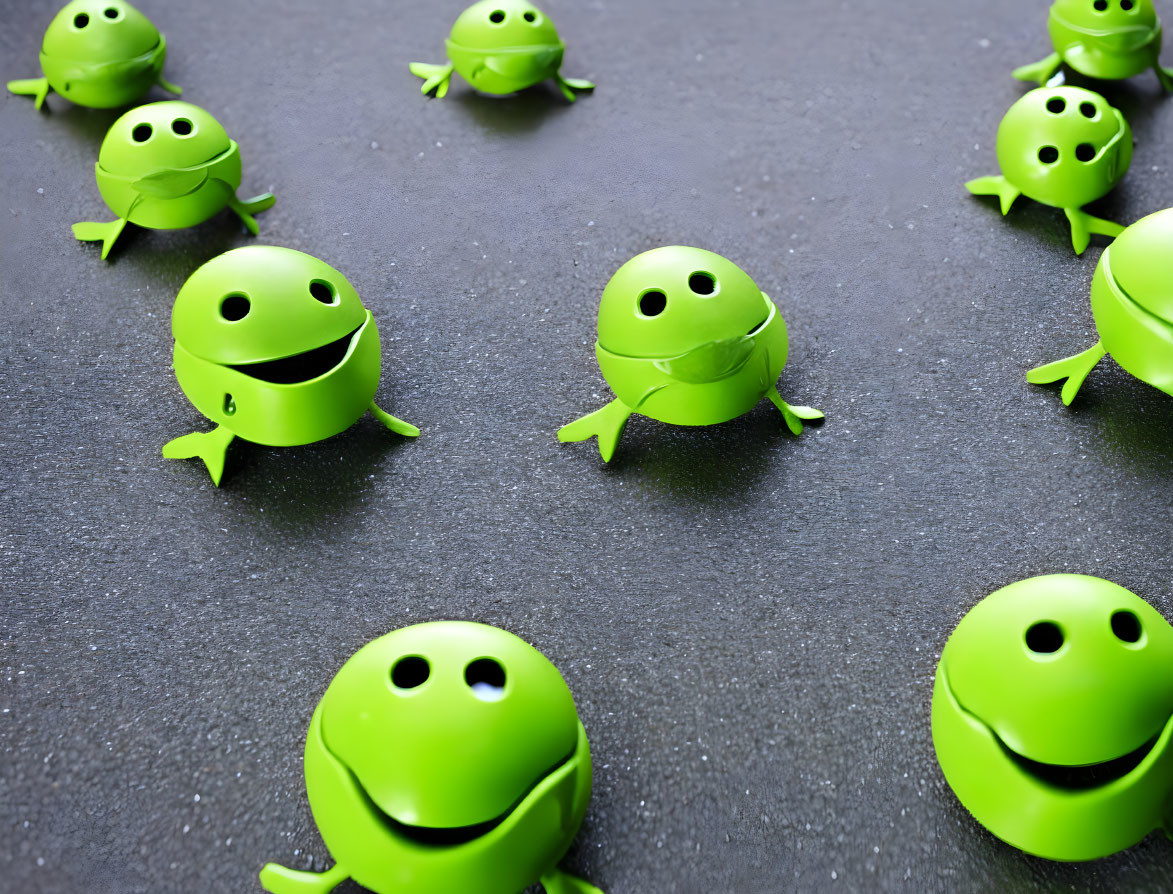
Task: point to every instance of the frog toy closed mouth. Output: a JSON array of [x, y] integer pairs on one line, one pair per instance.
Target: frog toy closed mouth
[[1063, 147], [98, 53], [1052, 715], [166, 166], [685, 337], [445, 757], [275, 347], [1104, 39], [501, 46], [1132, 302]]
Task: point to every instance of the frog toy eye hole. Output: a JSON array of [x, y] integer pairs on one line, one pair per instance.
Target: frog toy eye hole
[[324, 291], [530, 16], [113, 13], [1056, 105], [182, 127], [235, 307], [80, 20], [142, 132], [1048, 155], [1088, 109], [497, 16], [1044, 637], [1126, 5], [410, 672], [1126, 626], [486, 678], [1085, 152], [652, 303], [703, 283], [1100, 5]]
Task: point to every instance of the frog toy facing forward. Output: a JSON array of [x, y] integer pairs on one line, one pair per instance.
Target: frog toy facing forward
[[445, 757], [99, 53], [166, 166], [275, 347], [501, 46], [1132, 303], [1108, 40], [685, 337], [1063, 147], [1053, 716]]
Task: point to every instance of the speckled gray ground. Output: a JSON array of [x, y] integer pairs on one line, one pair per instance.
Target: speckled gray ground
[[749, 621]]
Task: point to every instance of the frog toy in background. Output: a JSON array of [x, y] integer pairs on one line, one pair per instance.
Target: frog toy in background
[[685, 337], [445, 757], [166, 166], [501, 46], [1132, 303], [1063, 147], [1052, 715], [275, 347], [1108, 40], [98, 53]]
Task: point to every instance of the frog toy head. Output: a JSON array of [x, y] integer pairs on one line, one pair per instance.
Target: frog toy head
[[687, 338], [445, 757], [1051, 716], [98, 53], [499, 47]]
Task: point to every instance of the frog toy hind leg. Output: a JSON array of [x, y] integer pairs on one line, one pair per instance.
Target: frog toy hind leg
[[1040, 72], [38, 88], [436, 77], [1073, 369]]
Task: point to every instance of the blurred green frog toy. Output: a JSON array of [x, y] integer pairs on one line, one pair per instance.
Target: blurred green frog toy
[[445, 758], [98, 53], [1063, 147], [1104, 39], [166, 166], [685, 337], [501, 46], [275, 347]]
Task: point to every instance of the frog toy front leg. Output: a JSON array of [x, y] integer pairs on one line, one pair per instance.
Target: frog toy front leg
[[106, 233], [607, 424], [558, 882], [436, 77], [791, 414], [248, 207], [211, 447], [276, 879], [1084, 224], [571, 86], [1040, 72], [998, 186], [1073, 369], [396, 425], [38, 88]]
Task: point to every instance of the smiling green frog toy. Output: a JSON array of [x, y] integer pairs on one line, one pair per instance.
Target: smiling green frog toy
[[501, 46], [445, 757], [1052, 716]]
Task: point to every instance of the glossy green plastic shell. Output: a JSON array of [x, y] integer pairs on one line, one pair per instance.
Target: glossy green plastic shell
[[274, 346], [167, 166], [1051, 716], [98, 53], [1104, 39], [499, 47], [1132, 302], [687, 338], [445, 757], [1063, 147]]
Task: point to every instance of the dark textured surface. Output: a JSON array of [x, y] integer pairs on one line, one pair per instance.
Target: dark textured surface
[[749, 621]]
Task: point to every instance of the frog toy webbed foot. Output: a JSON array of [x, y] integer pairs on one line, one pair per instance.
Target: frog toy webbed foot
[[277, 879], [106, 233], [606, 424], [210, 446], [1040, 72], [38, 88], [1073, 369], [393, 423], [558, 882], [571, 87], [246, 208], [793, 415], [436, 77], [1084, 224]]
